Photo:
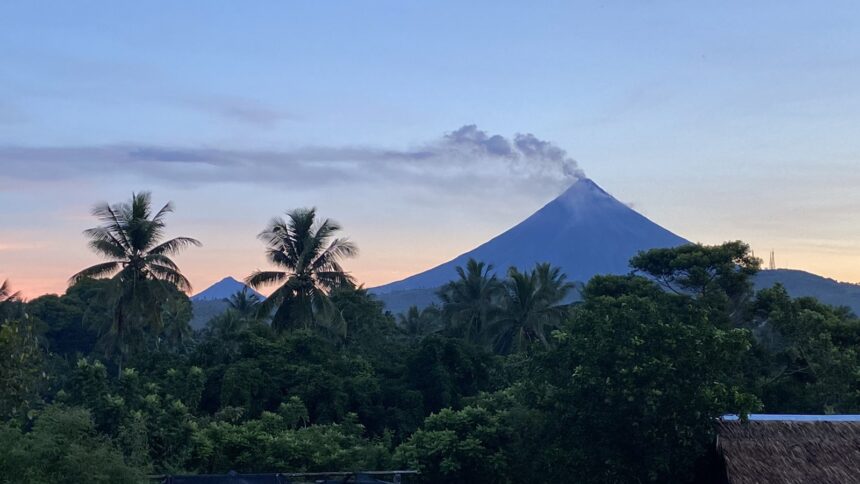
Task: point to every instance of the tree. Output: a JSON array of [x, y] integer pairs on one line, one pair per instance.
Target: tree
[[6, 293], [310, 256], [492, 439], [225, 327], [274, 441], [371, 329], [245, 303], [63, 447], [176, 328], [807, 355], [72, 321], [471, 301], [463, 446], [633, 385], [420, 322], [446, 370], [22, 369], [717, 276], [7, 297], [532, 307], [130, 237], [242, 313]]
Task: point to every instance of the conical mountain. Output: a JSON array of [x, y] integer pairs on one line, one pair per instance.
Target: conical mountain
[[223, 289], [585, 232]]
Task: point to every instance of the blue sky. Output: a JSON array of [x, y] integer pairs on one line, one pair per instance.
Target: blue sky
[[719, 120]]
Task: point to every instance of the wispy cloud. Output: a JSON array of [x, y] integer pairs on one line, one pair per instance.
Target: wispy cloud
[[238, 109], [463, 156]]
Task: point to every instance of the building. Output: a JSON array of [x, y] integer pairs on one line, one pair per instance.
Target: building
[[773, 449]]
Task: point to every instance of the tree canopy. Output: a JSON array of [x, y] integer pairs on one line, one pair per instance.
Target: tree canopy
[[145, 278], [309, 255]]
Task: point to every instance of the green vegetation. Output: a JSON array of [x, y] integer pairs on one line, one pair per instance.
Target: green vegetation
[[6, 294], [63, 446], [144, 299], [310, 257], [504, 382], [8, 300]]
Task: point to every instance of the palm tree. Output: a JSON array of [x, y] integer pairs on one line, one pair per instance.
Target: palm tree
[[227, 325], [6, 294], [245, 303], [310, 257], [176, 328], [532, 307], [471, 301], [419, 322], [6, 297], [243, 311], [130, 237]]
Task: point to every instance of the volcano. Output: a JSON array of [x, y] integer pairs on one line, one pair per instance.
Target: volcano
[[223, 289], [585, 232]]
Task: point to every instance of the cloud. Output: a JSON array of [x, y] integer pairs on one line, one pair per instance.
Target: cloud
[[469, 137], [238, 109], [458, 158]]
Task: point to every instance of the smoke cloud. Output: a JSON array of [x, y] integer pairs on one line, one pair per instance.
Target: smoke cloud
[[463, 156]]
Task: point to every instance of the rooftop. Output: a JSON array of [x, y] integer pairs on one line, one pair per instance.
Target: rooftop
[[771, 417], [790, 448]]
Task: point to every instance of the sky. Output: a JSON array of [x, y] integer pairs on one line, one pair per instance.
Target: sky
[[426, 128]]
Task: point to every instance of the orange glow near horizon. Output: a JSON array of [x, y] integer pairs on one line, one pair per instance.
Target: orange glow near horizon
[[405, 239], [34, 281], [371, 268]]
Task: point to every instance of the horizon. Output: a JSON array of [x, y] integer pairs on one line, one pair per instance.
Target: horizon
[[197, 289], [424, 133]]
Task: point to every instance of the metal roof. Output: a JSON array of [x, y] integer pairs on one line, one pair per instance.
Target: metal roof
[[795, 418]]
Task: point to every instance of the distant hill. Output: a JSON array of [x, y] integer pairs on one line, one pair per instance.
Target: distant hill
[[212, 301], [205, 309], [797, 283], [800, 283], [223, 289], [400, 301], [585, 231]]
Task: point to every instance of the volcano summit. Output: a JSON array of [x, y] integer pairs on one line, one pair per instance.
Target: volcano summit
[[585, 232]]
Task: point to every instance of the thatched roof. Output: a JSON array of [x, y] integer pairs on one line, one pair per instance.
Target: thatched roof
[[758, 452]]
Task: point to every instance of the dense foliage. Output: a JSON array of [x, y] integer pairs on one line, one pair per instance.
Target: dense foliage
[[510, 379]]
